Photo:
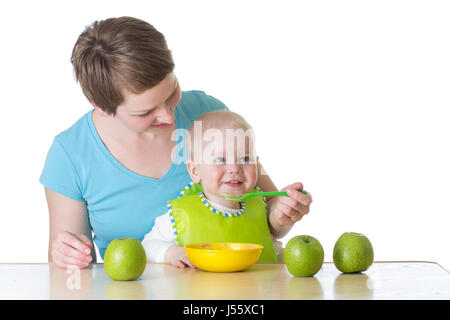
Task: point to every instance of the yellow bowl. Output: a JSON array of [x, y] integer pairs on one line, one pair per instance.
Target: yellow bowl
[[223, 256]]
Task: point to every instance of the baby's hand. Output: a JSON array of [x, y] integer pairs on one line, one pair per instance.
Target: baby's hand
[[289, 210], [176, 255]]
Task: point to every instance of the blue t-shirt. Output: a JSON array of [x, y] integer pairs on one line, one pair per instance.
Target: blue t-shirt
[[120, 202]]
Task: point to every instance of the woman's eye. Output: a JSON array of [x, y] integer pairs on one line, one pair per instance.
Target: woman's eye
[[145, 114]]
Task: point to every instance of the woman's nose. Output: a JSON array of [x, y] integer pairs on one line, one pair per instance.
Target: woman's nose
[[165, 114]]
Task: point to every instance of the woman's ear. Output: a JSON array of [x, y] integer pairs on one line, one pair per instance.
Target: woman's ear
[[98, 109], [192, 169]]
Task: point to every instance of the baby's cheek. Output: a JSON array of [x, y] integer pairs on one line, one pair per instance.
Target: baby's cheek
[[251, 175], [211, 178]]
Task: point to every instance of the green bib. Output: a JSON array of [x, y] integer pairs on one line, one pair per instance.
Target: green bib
[[195, 221]]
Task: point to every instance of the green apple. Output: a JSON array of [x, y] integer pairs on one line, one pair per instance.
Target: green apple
[[303, 256], [352, 253], [125, 259]]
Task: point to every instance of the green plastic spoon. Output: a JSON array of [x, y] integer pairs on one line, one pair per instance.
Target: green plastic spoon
[[254, 194]]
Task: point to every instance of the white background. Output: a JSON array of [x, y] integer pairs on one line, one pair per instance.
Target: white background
[[349, 97]]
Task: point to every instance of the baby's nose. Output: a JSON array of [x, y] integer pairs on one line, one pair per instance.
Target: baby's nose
[[234, 167]]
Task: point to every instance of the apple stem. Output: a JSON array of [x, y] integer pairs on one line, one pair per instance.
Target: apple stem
[[307, 238]]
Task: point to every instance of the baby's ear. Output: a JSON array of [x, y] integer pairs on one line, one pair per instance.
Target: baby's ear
[[259, 168], [257, 163], [192, 169]]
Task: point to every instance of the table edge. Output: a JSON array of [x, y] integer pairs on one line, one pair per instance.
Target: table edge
[[281, 263]]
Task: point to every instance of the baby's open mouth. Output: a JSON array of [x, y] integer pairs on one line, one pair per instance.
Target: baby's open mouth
[[234, 183]]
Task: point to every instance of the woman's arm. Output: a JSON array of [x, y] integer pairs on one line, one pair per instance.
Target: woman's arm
[[70, 238], [264, 182], [283, 212]]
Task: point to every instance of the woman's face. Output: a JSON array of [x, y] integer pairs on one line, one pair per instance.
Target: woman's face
[[152, 110]]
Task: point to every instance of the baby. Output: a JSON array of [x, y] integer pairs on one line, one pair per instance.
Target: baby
[[218, 165]]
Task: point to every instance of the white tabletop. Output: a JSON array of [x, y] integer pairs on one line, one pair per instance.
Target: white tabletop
[[383, 280]]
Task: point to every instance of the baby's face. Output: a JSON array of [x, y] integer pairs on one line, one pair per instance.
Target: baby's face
[[227, 168]]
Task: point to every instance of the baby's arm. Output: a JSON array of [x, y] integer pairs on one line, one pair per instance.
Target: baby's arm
[[160, 244]]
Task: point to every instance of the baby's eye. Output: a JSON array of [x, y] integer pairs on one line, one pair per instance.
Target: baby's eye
[[219, 160], [245, 159]]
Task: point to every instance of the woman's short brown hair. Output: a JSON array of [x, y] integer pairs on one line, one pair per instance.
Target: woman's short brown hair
[[119, 54]]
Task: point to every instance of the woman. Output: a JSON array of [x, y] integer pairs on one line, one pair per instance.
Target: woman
[[112, 172]]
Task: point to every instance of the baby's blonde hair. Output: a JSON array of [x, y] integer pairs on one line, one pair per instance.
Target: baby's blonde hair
[[219, 119], [215, 119]]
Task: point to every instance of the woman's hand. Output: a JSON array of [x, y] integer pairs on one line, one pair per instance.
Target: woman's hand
[[285, 211], [176, 255], [71, 250], [70, 242]]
